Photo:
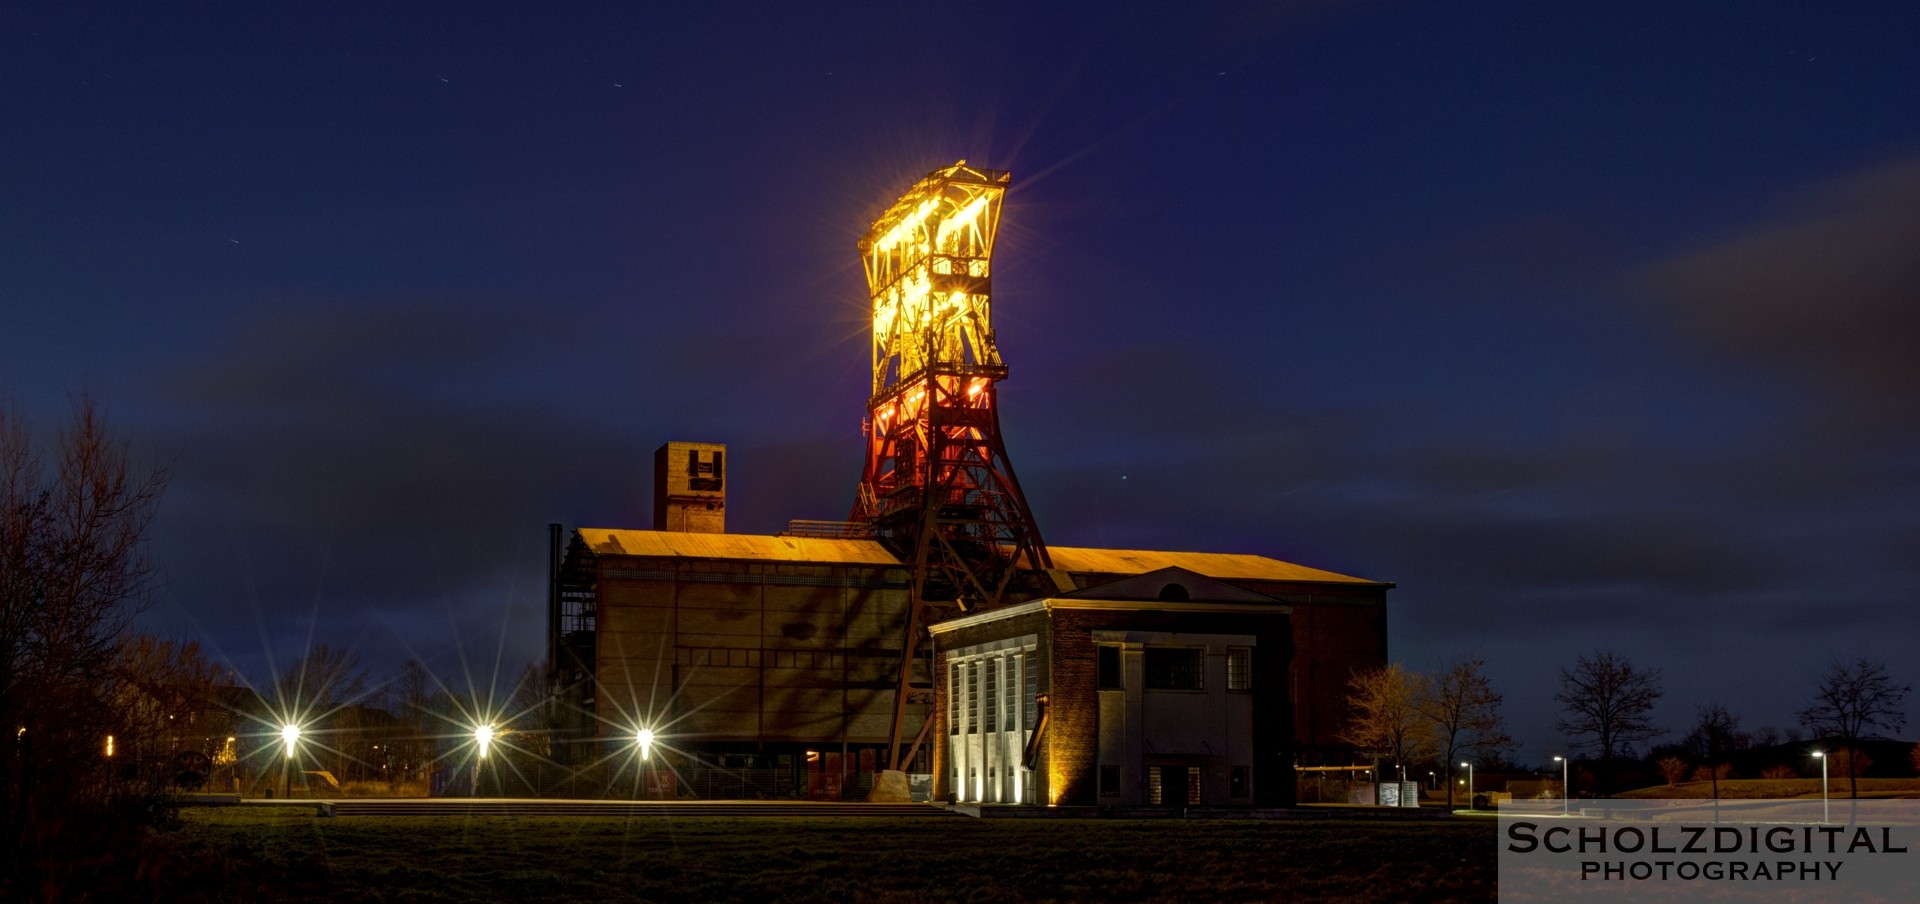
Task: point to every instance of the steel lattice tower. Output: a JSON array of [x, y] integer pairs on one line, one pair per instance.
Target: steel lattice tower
[[938, 488]]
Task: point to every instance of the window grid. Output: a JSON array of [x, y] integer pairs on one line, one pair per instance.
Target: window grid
[[953, 699], [1239, 669], [1175, 668], [992, 694], [973, 696], [1033, 691]]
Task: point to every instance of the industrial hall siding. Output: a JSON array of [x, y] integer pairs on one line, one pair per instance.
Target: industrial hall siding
[[764, 644]]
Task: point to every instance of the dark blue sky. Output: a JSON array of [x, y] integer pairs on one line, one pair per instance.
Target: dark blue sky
[[1589, 325]]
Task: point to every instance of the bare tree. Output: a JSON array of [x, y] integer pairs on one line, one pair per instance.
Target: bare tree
[[73, 572], [527, 713], [1852, 700], [1385, 721], [1716, 733], [1462, 713], [1608, 705], [324, 693], [169, 726], [411, 696]]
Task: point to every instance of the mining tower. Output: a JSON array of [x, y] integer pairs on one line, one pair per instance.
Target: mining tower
[[937, 488], [934, 632]]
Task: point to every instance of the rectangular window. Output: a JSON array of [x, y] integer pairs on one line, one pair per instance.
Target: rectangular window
[[1032, 706], [973, 697], [1237, 781], [1109, 781], [953, 699], [1176, 668], [1153, 785], [1193, 785], [992, 695], [1109, 668], [1010, 695], [1239, 669]]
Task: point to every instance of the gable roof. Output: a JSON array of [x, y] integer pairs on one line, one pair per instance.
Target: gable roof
[[1175, 585]]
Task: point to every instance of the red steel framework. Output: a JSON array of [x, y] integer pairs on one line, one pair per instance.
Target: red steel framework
[[938, 488]]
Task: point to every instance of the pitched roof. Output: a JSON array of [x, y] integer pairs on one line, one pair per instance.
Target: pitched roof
[[1218, 565], [761, 548], [1173, 585], [749, 547]]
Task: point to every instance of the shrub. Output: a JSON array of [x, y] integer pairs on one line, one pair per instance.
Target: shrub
[[1673, 768]]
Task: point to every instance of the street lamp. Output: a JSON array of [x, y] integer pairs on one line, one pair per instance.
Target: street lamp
[[290, 733], [643, 740], [482, 736], [1564, 787], [1469, 768], [1822, 757]]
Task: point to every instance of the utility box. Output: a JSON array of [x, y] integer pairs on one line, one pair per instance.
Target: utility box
[[690, 488]]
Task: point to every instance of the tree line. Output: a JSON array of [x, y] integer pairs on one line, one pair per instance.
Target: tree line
[[1406, 718]]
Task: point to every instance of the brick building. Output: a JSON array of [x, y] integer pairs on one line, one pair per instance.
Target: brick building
[[780, 653], [1164, 689]]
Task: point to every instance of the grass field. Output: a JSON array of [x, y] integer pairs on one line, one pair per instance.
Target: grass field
[[288, 854]]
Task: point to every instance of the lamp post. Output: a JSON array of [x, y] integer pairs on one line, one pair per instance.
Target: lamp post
[[643, 739], [291, 735], [483, 737], [1565, 788], [1469, 767], [1822, 757]]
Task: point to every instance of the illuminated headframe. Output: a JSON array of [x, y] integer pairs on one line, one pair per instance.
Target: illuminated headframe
[[929, 261]]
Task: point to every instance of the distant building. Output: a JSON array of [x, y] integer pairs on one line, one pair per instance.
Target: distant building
[[779, 654]]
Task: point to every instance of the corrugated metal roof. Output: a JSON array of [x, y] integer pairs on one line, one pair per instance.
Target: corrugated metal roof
[[755, 547], [751, 547], [1219, 565]]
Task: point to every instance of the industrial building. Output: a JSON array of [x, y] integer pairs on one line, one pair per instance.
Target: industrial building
[[935, 632]]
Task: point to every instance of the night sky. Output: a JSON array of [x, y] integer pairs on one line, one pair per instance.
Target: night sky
[[1589, 325]]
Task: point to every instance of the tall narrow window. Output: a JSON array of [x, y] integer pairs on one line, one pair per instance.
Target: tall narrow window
[[1010, 695], [973, 697], [992, 693], [953, 699], [1153, 785], [1109, 668], [1239, 669], [1032, 705]]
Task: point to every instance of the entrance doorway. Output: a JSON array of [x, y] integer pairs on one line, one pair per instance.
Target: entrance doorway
[[1173, 786]]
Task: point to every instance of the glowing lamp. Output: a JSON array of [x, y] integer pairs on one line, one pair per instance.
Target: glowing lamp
[[644, 738], [291, 735], [483, 735]]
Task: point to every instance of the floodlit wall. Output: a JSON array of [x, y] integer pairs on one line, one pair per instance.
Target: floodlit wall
[[750, 651]]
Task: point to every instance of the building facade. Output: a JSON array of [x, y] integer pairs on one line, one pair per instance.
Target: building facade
[[783, 652], [1164, 689]]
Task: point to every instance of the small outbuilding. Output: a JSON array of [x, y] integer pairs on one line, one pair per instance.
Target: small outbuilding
[[1163, 689]]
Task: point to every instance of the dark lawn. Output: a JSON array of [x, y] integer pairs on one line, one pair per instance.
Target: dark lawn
[[264, 855]]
